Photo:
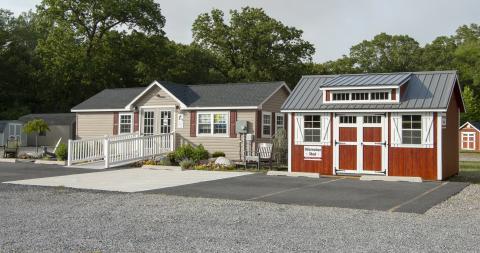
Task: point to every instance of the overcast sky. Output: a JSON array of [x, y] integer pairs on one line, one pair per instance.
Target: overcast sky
[[333, 26]]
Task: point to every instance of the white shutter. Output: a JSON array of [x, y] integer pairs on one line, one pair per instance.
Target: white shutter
[[326, 128], [396, 130], [298, 128], [427, 129]]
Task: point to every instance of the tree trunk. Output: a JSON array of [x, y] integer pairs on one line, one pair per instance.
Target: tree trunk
[[36, 143]]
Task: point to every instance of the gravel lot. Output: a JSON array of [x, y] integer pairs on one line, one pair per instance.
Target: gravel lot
[[40, 219]]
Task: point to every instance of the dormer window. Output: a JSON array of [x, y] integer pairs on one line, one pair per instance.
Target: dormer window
[[359, 96], [341, 96], [379, 96]]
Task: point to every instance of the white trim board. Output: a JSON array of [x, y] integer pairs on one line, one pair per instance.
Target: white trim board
[[129, 106], [365, 110]]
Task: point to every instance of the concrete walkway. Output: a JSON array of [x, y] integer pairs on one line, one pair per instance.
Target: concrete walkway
[[130, 180]]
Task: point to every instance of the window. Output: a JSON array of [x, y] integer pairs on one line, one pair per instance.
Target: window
[[379, 96], [341, 96], [360, 96], [374, 119], [412, 129], [266, 124], [212, 123], [280, 121], [148, 121], [348, 119], [165, 122], [219, 123], [468, 140], [311, 128], [125, 123]]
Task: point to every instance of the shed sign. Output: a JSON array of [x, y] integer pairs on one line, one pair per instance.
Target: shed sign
[[312, 152]]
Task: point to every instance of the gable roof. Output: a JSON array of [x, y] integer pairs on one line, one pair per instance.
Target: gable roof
[[188, 96], [51, 118], [475, 125], [424, 91]]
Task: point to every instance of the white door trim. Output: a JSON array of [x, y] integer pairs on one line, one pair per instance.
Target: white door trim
[[359, 143]]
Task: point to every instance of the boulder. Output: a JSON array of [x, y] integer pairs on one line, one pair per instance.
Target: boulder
[[223, 161]]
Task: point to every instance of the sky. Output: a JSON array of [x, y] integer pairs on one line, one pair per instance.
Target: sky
[[333, 26]]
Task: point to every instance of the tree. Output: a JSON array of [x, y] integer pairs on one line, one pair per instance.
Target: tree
[[36, 126], [252, 46], [386, 53], [472, 106], [439, 54], [89, 47]]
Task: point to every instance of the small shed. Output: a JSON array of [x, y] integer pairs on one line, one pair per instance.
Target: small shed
[[12, 129], [62, 125], [469, 134]]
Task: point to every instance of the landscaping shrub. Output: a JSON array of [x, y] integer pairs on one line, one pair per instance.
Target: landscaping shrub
[[62, 152], [183, 152], [171, 157], [187, 164], [218, 154], [187, 151], [199, 153]]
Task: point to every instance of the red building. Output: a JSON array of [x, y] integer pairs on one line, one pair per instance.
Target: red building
[[470, 136], [395, 124]]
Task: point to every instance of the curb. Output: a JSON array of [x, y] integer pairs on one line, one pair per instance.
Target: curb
[[293, 174]]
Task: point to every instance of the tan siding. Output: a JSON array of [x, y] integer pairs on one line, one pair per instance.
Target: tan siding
[[274, 103], [230, 146], [156, 97], [96, 124]]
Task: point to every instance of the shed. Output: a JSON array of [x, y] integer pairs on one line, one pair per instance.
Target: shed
[[62, 125], [12, 129], [470, 136], [390, 124]]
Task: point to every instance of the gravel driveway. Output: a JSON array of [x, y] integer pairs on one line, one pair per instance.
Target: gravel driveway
[[40, 219]]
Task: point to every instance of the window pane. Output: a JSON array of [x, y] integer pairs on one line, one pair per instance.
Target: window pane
[[266, 130], [204, 128], [220, 128], [204, 119]]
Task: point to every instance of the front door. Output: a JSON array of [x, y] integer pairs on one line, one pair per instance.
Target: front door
[[360, 144], [156, 121], [15, 132]]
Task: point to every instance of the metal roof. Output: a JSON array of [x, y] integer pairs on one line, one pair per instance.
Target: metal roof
[[51, 118], [359, 80], [425, 90], [202, 95]]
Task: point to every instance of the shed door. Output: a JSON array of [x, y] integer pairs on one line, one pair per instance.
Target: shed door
[[360, 144], [347, 143]]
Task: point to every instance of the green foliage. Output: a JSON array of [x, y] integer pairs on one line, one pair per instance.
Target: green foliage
[[218, 154], [184, 152], [61, 152], [36, 126], [472, 106], [252, 46], [187, 151], [199, 153], [187, 164]]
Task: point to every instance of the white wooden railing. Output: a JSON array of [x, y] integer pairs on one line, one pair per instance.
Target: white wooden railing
[[119, 149]]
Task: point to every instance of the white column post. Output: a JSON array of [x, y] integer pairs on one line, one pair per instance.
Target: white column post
[[142, 146], [289, 136], [69, 160], [106, 152]]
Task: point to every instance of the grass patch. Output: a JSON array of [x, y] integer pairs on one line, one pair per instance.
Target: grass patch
[[469, 172]]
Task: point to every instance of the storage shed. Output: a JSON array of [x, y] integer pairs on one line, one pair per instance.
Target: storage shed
[[62, 125], [394, 124], [12, 129], [470, 136]]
